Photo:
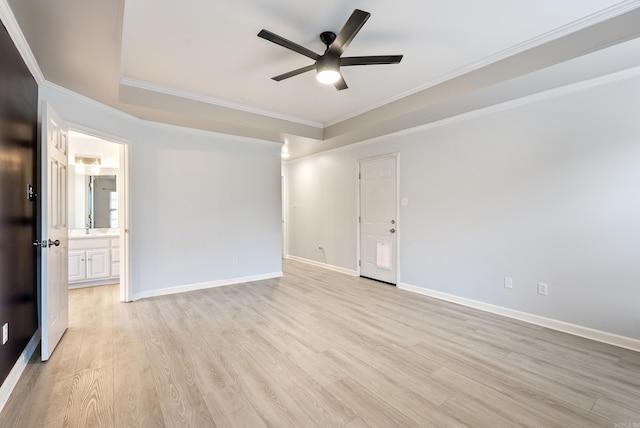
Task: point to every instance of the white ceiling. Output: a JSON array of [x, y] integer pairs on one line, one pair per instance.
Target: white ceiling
[[200, 63]]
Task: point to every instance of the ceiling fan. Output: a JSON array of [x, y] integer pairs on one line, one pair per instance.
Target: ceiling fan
[[328, 64]]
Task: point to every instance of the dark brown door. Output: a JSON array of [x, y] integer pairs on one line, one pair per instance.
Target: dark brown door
[[18, 136]]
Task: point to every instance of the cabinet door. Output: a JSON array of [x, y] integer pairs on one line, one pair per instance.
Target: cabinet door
[[77, 265], [98, 264], [115, 262]]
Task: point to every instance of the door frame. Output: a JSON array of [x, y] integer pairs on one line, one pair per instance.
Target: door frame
[[283, 215], [396, 157], [124, 204]]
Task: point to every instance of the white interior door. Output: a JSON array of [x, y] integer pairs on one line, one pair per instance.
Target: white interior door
[[54, 304], [378, 219]]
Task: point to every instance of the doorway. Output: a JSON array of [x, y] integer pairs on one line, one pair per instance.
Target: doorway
[[98, 211], [378, 219]]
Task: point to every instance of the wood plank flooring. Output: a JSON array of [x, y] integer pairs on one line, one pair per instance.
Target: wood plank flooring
[[317, 349]]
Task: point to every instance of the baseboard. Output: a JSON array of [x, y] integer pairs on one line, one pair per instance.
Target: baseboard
[[323, 265], [204, 285], [98, 283], [574, 329], [18, 368]]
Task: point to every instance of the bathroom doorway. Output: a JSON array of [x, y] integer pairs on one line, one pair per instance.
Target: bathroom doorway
[[98, 211]]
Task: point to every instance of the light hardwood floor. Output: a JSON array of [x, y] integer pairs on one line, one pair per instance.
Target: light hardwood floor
[[317, 349]]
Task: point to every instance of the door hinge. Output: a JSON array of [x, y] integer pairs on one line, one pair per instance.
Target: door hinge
[[31, 194], [44, 243], [359, 219], [359, 176], [359, 262]]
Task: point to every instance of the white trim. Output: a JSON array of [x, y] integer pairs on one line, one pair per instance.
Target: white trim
[[284, 205], [323, 265], [96, 283], [153, 87], [358, 224], [12, 379], [101, 135], [574, 329], [204, 285], [473, 114], [555, 34], [15, 32]]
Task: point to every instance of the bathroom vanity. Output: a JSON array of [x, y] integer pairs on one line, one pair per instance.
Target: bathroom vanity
[[94, 258]]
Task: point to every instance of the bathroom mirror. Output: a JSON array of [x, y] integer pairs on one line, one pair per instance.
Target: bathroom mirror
[[93, 199]]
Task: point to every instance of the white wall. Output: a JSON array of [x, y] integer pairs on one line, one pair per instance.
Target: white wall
[[546, 191], [196, 199], [205, 201]]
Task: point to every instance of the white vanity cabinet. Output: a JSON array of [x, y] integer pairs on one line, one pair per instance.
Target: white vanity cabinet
[[93, 260]]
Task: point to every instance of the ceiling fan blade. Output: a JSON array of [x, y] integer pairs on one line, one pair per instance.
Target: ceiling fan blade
[[369, 60], [348, 32], [341, 84], [294, 72], [278, 40]]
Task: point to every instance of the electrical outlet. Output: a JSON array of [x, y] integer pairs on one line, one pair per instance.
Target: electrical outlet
[[235, 260], [5, 333], [542, 288], [508, 282]]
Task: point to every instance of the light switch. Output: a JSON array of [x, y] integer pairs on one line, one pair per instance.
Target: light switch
[[295, 205], [404, 202]]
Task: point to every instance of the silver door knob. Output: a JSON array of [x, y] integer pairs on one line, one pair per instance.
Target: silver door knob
[[392, 230]]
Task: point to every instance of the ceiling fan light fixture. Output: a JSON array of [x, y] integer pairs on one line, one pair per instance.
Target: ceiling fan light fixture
[[328, 76], [327, 67]]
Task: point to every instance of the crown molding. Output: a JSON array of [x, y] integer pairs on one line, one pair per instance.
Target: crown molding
[[15, 32], [526, 100], [565, 30], [139, 84]]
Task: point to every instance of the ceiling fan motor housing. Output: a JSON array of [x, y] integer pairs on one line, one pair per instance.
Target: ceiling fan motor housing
[[327, 38], [328, 62]]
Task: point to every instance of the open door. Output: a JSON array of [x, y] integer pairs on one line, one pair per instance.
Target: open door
[[54, 292]]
